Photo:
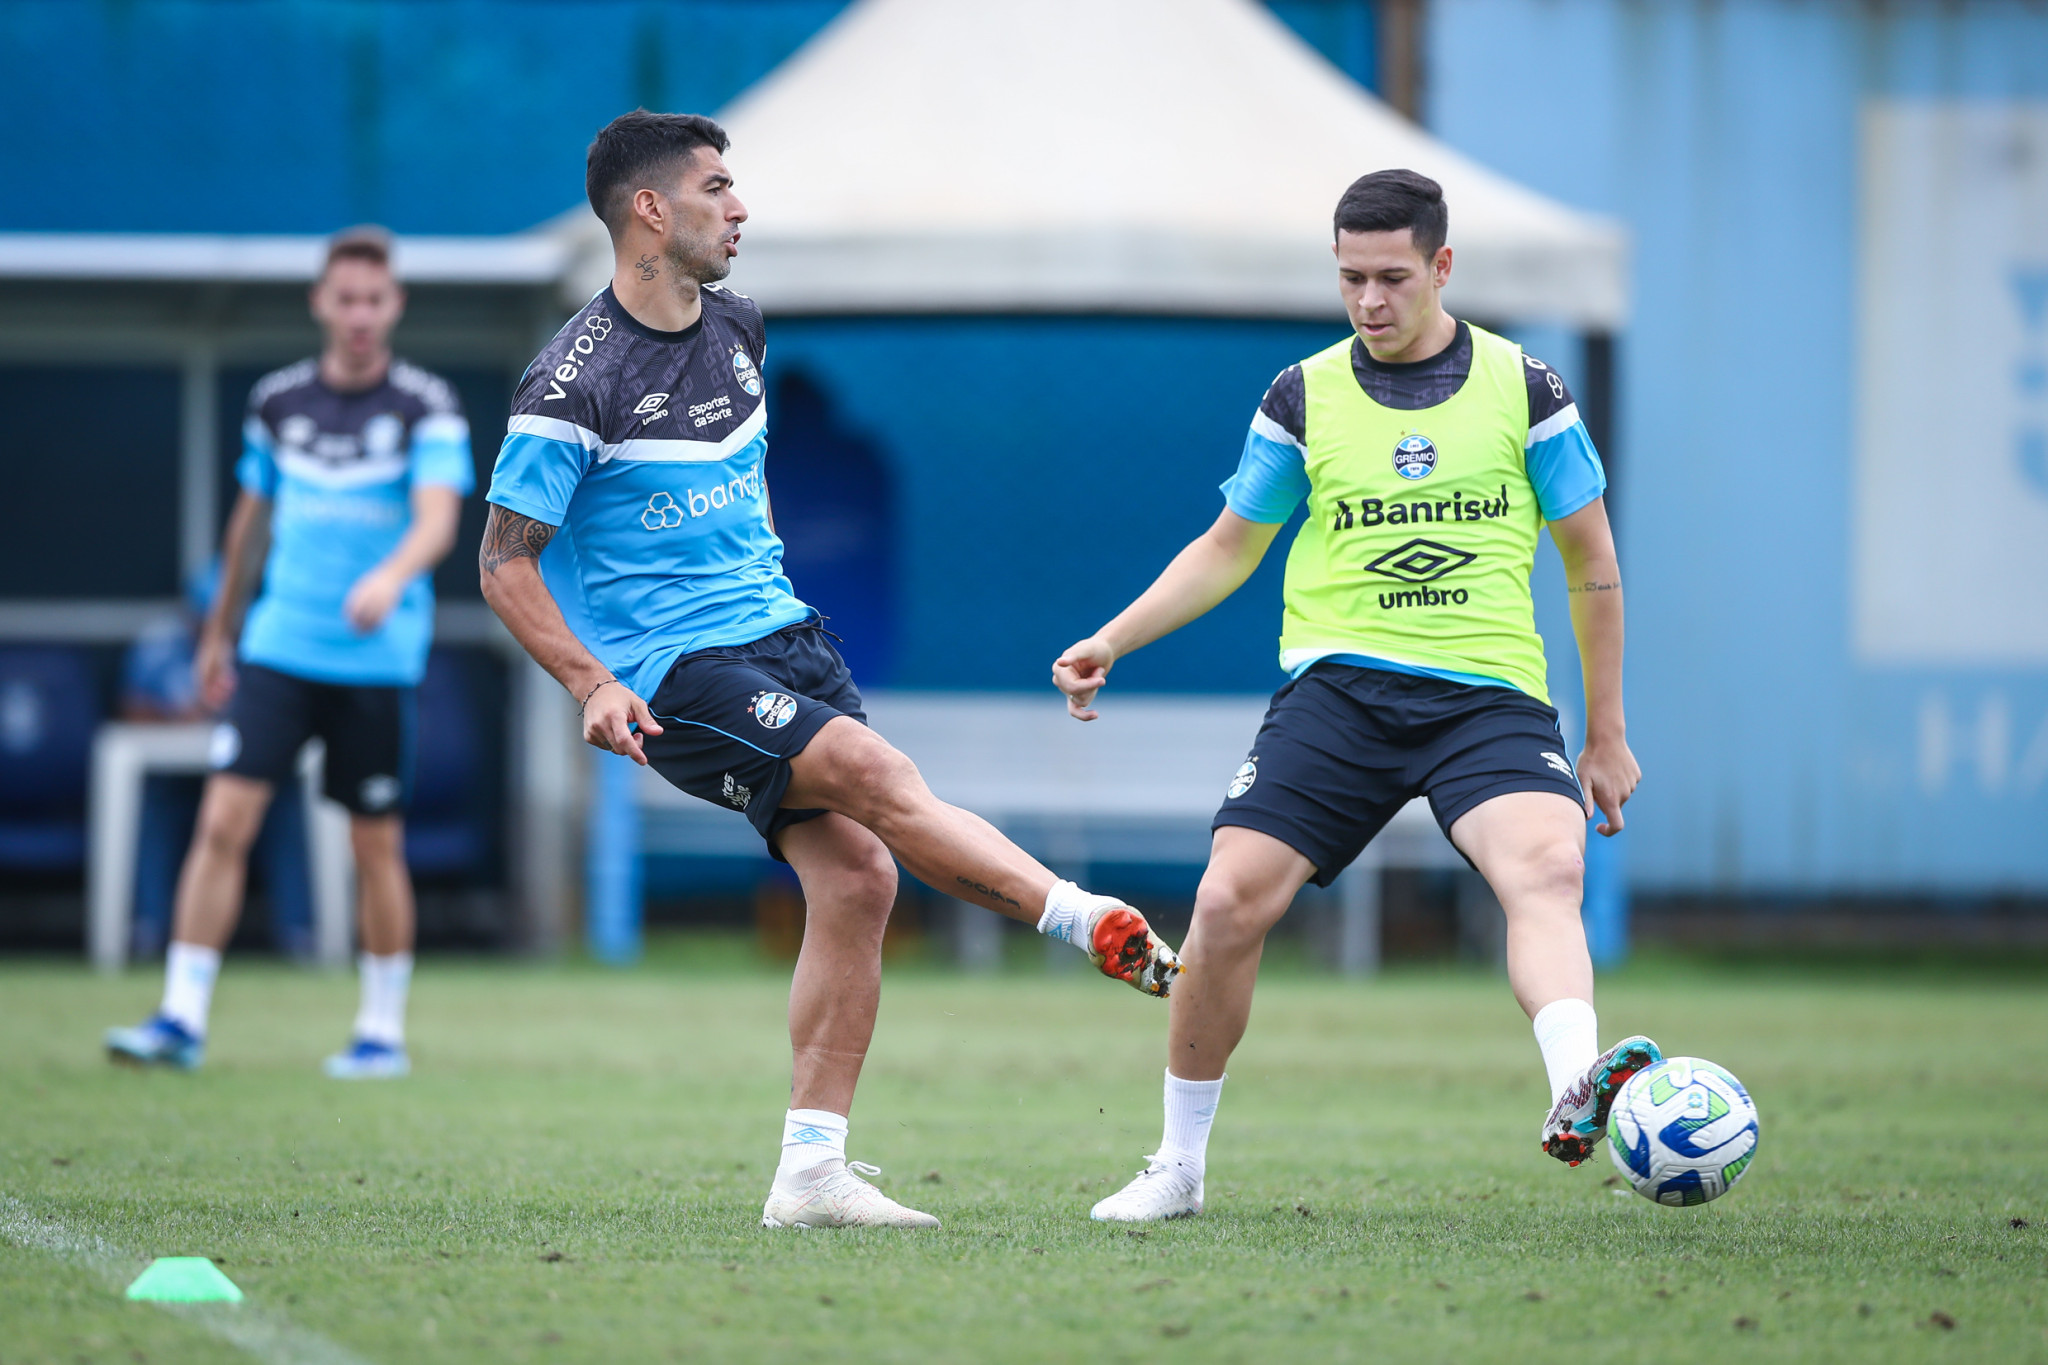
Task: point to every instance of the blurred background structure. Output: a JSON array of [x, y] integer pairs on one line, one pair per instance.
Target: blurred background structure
[[1028, 268]]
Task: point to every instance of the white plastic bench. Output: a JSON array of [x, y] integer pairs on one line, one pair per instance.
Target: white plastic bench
[[1138, 785]]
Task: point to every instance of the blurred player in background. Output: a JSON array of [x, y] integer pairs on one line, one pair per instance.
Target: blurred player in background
[[631, 550], [353, 471], [1430, 454]]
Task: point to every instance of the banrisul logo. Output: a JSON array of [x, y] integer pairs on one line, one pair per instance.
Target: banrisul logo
[[1415, 457]]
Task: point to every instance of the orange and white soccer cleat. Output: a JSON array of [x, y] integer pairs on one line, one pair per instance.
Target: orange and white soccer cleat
[[1122, 945]]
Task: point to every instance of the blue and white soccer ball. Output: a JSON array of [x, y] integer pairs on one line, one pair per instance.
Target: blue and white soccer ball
[[1682, 1131]]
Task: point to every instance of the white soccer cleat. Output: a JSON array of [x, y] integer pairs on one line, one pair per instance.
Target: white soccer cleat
[[1162, 1190], [833, 1195]]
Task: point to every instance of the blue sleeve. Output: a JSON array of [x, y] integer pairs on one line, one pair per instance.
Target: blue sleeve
[[1563, 467], [1271, 478], [539, 466], [440, 453], [256, 471]]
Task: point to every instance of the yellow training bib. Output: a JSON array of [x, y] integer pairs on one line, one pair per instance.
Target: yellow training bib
[[1421, 525]]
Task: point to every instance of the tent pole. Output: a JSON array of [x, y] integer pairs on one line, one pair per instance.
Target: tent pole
[[1402, 24]]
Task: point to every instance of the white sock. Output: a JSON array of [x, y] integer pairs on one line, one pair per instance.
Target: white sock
[[1067, 911], [810, 1137], [1569, 1034], [1190, 1112], [385, 980], [190, 969]]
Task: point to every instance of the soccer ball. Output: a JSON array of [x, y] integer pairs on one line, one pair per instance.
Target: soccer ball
[[1682, 1131]]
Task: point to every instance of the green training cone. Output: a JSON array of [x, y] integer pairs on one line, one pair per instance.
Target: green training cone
[[184, 1279]]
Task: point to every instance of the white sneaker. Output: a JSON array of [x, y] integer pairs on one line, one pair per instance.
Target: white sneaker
[[833, 1195], [1162, 1190]]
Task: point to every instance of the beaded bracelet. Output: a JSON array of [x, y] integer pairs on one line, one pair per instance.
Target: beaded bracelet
[[585, 704]]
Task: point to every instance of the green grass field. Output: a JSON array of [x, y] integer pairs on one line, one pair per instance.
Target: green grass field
[[575, 1172]]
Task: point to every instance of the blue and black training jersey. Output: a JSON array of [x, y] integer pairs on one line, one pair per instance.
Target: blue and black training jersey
[[647, 450], [339, 469]]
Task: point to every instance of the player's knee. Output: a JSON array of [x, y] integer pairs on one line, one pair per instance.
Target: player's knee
[[1234, 908], [1552, 872], [227, 833], [873, 778], [870, 880], [377, 840]]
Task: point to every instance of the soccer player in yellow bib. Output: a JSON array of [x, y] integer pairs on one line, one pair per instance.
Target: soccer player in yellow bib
[[1430, 454]]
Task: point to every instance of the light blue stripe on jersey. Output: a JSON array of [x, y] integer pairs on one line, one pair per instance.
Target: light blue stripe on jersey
[[1272, 476], [324, 538], [1564, 469], [663, 547], [1393, 666]]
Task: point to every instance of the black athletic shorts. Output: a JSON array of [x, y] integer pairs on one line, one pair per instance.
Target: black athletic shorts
[[369, 734], [732, 718], [1343, 748]]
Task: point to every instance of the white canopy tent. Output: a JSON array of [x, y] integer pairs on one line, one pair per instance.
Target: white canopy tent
[[1157, 156]]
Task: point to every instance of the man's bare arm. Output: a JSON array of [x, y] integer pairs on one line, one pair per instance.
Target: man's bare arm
[[1214, 565], [508, 568], [242, 552], [1585, 542]]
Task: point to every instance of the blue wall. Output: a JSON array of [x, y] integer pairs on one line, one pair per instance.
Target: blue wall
[[306, 115], [1046, 470], [1725, 134]]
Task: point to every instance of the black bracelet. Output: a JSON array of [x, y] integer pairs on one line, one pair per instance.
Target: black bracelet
[[585, 705]]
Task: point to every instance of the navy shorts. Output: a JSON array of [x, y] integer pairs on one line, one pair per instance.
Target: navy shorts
[[368, 730], [732, 718], [1343, 748]]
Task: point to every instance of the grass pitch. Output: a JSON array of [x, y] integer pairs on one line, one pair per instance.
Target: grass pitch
[[575, 1173]]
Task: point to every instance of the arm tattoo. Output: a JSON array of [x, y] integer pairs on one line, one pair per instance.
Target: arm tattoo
[[648, 266], [509, 536], [1594, 587]]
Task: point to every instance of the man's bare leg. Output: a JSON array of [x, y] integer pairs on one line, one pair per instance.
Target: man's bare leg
[[216, 871], [385, 924], [849, 883], [849, 769], [384, 902], [1531, 848], [211, 887], [1251, 880]]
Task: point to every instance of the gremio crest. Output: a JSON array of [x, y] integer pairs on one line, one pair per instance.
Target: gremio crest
[[1415, 457]]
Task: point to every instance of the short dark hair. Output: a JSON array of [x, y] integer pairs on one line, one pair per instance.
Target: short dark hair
[[366, 243], [636, 149], [1387, 201]]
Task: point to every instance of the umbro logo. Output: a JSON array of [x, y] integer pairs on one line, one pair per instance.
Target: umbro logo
[[651, 408], [1420, 561]]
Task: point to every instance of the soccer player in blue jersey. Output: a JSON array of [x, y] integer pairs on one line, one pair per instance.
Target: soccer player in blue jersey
[[631, 550], [353, 469]]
